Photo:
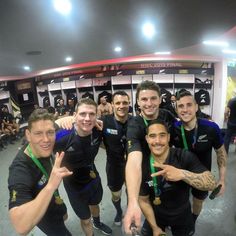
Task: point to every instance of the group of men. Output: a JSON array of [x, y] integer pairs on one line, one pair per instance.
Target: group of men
[[157, 177], [8, 125]]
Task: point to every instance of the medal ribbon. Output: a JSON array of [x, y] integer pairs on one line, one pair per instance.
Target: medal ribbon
[[39, 165], [184, 137], [154, 179]]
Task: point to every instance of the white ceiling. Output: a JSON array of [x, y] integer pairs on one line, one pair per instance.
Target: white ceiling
[[95, 27]]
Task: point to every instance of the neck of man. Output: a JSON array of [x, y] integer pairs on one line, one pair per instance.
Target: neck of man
[[122, 119], [191, 124], [27, 152], [161, 158], [150, 117], [82, 133]]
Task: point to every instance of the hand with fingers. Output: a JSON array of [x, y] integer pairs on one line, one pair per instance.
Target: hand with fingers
[[169, 172], [58, 172], [99, 125], [132, 217]]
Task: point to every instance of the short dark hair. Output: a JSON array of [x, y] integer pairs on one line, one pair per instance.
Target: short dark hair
[[148, 85], [158, 121], [121, 93], [184, 94], [39, 114], [86, 101]]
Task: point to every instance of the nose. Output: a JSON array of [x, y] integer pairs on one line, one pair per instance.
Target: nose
[[87, 117], [45, 137], [149, 102]]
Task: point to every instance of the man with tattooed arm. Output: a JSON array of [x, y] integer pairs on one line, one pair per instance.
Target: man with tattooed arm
[[199, 136], [167, 176]]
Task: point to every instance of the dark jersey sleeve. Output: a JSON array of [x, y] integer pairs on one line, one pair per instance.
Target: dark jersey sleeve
[[217, 136], [135, 133], [19, 185], [191, 163]]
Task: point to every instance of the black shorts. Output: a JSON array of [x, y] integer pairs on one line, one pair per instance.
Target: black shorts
[[115, 176], [201, 195], [81, 198], [181, 225]]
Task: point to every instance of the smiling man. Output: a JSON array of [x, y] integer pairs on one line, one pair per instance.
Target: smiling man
[[114, 138], [167, 176], [199, 136], [33, 180], [148, 97], [81, 145]]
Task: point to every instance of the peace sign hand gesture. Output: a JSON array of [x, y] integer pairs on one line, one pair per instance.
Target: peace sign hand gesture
[[58, 172]]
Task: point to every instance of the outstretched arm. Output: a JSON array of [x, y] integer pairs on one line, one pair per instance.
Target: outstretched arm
[[26, 216], [203, 181], [133, 175], [221, 156]]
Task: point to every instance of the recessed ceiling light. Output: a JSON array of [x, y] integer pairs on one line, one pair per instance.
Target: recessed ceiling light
[[229, 51], [117, 49], [68, 59], [27, 68], [62, 6], [148, 30], [162, 53], [216, 43]]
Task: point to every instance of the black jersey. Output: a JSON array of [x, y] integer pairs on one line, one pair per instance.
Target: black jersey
[[61, 110], [174, 195], [208, 136], [114, 138], [26, 181], [80, 153], [136, 132]]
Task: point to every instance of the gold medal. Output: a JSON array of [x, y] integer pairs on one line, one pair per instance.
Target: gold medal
[[157, 201], [58, 200], [92, 174]]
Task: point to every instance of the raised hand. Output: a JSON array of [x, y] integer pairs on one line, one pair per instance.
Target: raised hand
[[58, 172], [169, 172]]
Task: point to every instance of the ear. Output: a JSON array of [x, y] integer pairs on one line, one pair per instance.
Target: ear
[[196, 107], [27, 135], [146, 137]]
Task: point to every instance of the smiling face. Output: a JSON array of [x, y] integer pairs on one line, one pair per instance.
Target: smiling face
[[149, 101], [41, 137], [120, 106], [85, 119], [186, 108], [158, 140]]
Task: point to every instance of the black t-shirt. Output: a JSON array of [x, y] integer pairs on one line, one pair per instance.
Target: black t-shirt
[[136, 132], [71, 110], [26, 181], [61, 110], [174, 195], [80, 153], [232, 107], [208, 136], [114, 138]]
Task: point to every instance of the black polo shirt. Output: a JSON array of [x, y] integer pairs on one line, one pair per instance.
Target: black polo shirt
[[80, 153], [26, 181], [208, 136], [174, 195], [136, 132], [114, 138]]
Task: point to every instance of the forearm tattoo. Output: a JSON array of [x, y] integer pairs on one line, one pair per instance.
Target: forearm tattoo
[[204, 181], [221, 157]]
